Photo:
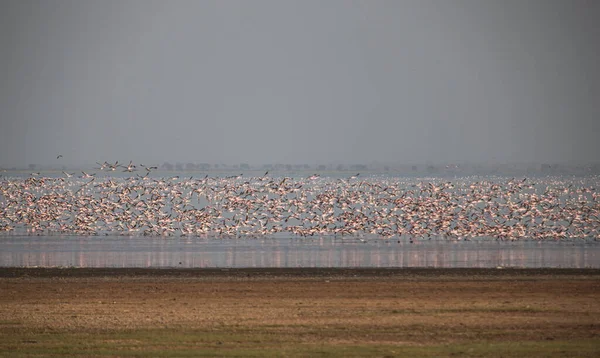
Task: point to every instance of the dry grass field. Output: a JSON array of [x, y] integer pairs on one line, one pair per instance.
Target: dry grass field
[[299, 312]]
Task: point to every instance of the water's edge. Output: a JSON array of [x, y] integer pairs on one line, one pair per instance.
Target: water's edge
[[139, 252], [284, 273]]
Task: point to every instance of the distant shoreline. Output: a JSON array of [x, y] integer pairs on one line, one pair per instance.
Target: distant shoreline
[[419, 171]]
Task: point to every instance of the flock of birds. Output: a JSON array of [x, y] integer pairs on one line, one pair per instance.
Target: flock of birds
[[259, 206]]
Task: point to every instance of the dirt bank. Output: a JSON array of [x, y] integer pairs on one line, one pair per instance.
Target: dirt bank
[[302, 307]]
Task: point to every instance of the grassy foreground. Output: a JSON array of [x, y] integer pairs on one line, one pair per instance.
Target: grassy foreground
[[330, 314]]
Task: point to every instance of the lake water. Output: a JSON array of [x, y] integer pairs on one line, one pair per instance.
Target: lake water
[[119, 251], [222, 222]]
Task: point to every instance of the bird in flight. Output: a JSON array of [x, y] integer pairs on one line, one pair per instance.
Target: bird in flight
[[59, 156], [148, 169], [130, 168]]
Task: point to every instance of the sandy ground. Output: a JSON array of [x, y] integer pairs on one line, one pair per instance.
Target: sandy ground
[[414, 306]]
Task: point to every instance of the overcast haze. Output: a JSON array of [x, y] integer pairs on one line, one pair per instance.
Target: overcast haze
[[299, 81]]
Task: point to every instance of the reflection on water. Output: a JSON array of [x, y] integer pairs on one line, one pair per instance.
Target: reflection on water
[[53, 251]]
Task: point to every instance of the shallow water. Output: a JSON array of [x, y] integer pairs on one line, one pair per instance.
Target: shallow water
[[119, 251]]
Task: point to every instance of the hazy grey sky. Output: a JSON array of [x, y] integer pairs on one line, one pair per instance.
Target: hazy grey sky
[[299, 81]]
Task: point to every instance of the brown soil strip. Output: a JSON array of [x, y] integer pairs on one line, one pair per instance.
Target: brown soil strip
[[282, 273], [364, 306]]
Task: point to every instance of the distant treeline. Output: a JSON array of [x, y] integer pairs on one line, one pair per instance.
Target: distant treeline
[[375, 167]]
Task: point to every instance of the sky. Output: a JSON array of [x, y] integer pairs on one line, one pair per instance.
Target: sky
[[317, 82]]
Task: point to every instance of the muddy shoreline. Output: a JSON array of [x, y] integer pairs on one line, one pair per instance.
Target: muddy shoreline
[[250, 311], [289, 273]]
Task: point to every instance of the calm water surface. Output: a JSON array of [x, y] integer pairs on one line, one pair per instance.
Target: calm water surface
[[119, 251]]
